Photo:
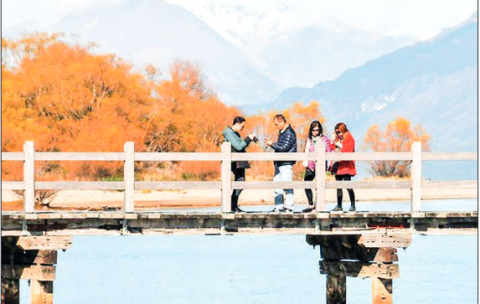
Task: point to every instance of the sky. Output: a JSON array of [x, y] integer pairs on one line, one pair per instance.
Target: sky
[[422, 19]]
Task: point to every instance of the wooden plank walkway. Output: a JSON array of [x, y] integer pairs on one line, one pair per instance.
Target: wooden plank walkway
[[147, 223]]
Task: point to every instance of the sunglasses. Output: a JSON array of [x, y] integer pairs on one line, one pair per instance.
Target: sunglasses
[[316, 130], [338, 132]]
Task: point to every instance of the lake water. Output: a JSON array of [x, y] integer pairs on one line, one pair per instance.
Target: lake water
[[254, 269]]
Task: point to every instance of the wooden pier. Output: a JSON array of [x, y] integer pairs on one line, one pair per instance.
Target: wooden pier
[[361, 244], [179, 223]]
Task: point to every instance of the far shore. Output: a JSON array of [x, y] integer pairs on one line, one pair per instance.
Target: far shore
[[146, 199]]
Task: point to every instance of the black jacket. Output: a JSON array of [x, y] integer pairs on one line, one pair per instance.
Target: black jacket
[[287, 142]]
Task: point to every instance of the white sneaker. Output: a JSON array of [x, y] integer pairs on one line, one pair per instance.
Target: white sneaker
[[286, 210], [277, 209]]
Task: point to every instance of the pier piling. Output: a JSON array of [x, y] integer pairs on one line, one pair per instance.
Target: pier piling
[[336, 289], [365, 255], [10, 291], [41, 292], [31, 258], [382, 290]]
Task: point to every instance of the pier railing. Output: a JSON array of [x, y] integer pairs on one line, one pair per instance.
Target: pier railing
[[226, 185]]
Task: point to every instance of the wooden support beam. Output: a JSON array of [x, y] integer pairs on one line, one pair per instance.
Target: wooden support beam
[[45, 257], [391, 240], [336, 289], [226, 177], [416, 173], [10, 291], [81, 156], [29, 177], [320, 176], [31, 272], [80, 185], [257, 156], [382, 291], [385, 255], [45, 242], [352, 246], [12, 254], [129, 176], [359, 269], [28, 257], [41, 292], [338, 247]]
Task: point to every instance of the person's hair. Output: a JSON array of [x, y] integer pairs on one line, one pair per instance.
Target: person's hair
[[238, 119], [341, 127], [279, 117], [314, 124]]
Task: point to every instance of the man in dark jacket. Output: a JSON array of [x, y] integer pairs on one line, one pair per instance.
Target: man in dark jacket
[[287, 142], [232, 135]]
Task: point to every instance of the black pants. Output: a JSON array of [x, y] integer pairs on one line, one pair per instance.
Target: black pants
[[351, 194], [239, 175], [309, 176]]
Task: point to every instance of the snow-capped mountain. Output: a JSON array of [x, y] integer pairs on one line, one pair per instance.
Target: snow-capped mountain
[[289, 46], [249, 53], [248, 27], [154, 31]]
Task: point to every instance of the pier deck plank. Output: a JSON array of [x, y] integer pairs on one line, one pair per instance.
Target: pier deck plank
[[114, 222]]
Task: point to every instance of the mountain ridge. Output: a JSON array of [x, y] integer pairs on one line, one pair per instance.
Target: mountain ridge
[[268, 54], [432, 83]]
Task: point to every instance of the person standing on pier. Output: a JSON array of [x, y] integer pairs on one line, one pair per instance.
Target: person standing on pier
[[315, 135], [343, 141], [286, 143], [232, 135]]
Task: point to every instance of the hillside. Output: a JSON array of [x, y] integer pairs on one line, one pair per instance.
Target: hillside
[[159, 32], [432, 83]]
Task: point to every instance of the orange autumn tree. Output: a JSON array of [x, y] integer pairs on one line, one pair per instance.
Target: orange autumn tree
[[65, 97], [397, 137], [190, 117]]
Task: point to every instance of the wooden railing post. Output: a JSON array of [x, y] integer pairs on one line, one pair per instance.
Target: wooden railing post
[[226, 177], [129, 176], [416, 173], [29, 177], [320, 176]]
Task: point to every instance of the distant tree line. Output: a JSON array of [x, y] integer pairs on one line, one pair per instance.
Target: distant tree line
[[67, 98]]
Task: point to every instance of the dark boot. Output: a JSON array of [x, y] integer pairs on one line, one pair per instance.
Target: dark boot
[[310, 208], [238, 210], [338, 208]]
